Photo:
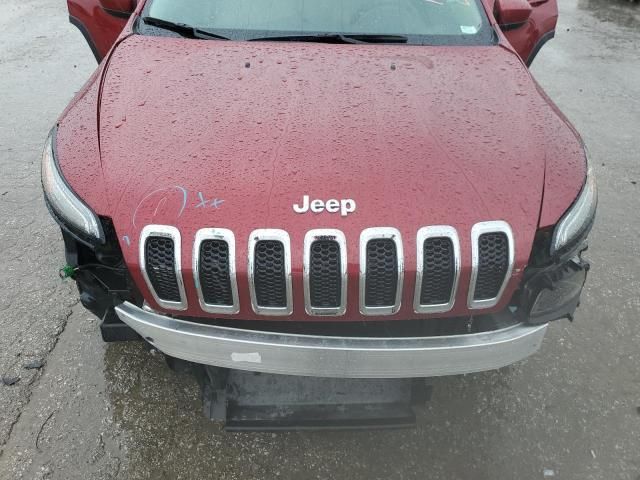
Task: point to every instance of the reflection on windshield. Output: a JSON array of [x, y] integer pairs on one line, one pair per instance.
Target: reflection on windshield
[[404, 17]]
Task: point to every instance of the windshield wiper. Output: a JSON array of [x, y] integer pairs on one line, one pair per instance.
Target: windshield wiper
[[336, 38], [182, 29]]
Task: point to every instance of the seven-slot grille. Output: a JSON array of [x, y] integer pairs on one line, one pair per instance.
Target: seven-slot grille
[[325, 269]]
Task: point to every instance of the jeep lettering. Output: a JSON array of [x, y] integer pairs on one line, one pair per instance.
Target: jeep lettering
[[345, 207]]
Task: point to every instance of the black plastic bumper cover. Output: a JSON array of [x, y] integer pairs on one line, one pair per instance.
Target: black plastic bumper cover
[[553, 293]]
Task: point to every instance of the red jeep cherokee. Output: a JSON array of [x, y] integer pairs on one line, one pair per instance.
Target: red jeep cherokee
[[338, 188]]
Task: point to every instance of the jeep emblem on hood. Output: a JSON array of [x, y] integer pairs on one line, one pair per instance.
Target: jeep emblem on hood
[[345, 207]]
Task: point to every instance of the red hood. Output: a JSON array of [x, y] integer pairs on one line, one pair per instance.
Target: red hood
[[415, 135]]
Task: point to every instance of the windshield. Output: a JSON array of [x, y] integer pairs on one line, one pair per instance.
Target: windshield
[[421, 21]]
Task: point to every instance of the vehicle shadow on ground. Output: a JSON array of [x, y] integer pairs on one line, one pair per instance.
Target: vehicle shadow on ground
[[162, 414]]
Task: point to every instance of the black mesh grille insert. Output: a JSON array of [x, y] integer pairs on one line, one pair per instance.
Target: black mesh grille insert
[[438, 271], [214, 275], [382, 273], [160, 257], [493, 263], [269, 274], [325, 279]]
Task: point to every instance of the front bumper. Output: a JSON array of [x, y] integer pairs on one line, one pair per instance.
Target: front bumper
[[324, 356]]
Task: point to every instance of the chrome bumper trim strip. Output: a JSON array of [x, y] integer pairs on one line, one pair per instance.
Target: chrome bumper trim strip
[[322, 356]]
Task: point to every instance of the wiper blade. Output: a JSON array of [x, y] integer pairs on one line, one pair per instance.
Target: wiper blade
[[336, 38], [183, 29]]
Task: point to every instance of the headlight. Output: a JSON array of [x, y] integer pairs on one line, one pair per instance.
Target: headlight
[[577, 222], [64, 204]]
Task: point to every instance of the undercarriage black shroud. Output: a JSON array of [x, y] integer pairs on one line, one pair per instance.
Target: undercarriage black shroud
[[249, 401]]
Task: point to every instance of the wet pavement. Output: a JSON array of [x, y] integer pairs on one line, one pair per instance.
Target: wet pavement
[[97, 411]]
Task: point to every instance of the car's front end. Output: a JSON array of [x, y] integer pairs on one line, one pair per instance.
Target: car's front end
[[319, 209]]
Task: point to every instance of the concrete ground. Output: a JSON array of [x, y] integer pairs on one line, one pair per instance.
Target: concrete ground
[[79, 409]]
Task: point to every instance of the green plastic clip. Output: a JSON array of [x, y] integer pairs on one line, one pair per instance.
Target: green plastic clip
[[67, 272]]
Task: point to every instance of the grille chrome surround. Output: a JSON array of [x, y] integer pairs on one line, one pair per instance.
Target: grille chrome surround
[[474, 297], [164, 231], [376, 234], [279, 236], [478, 230], [425, 233], [227, 236], [335, 236]]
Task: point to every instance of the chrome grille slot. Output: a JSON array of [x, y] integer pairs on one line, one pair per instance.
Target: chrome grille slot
[[381, 271], [161, 268], [160, 264], [492, 263], [269, 279], [270, 272], [214, 270], [438, 262], [325, 272], [438, 269]]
